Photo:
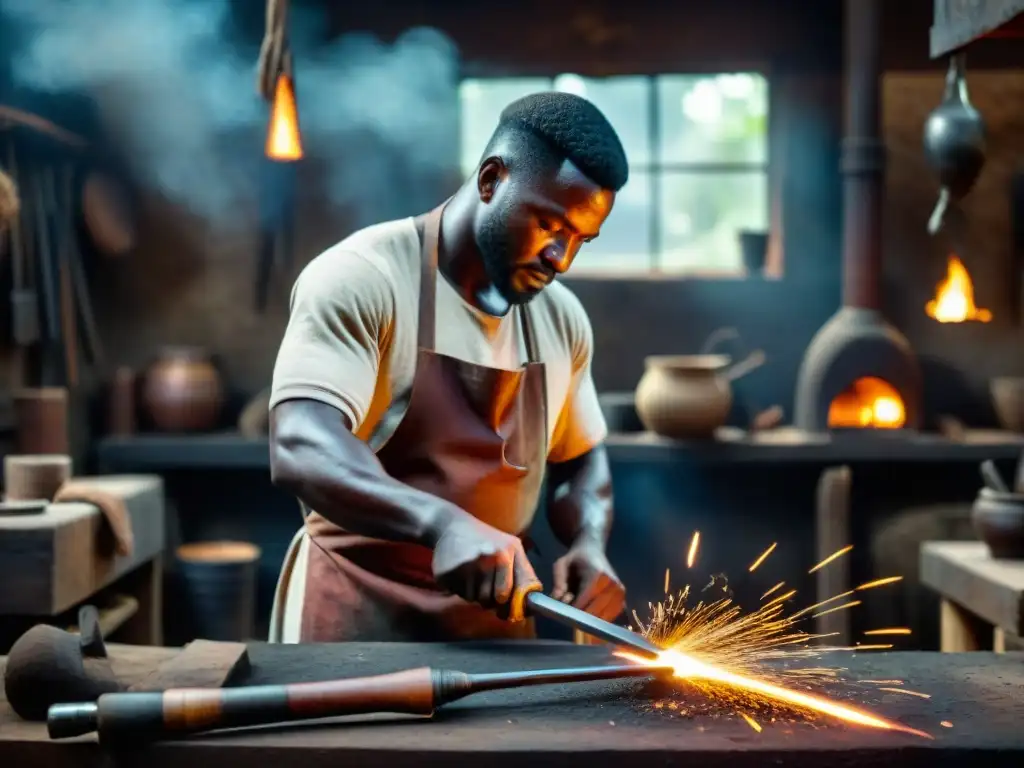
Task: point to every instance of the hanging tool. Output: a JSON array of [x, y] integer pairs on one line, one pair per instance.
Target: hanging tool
[[81, 317], [64, 235], [275, 53], [24, 302], [140, 717], [52, 363]]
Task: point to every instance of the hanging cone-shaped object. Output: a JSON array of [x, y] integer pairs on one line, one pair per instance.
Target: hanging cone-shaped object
[[954, 141]]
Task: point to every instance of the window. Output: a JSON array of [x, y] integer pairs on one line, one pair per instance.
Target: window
[[698, 155]]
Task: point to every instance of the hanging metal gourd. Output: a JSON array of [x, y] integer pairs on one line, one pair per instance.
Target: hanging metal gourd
[[954, 142]]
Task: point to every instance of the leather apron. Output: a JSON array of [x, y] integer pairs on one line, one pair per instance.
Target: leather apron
[[472, 435]]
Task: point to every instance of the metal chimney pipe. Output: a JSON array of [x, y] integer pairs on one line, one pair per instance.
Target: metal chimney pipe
[[863, 156]]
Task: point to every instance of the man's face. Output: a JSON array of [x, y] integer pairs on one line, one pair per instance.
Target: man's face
[[530, 229]]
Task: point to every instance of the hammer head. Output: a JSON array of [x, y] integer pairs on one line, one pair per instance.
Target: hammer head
[[49, 666]]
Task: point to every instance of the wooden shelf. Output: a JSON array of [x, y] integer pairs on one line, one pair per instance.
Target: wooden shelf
[[168, 453]]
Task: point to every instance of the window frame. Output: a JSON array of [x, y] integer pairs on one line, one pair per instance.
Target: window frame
[[655, 168]]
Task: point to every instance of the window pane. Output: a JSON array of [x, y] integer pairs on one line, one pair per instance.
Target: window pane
[[701, 215], [624, 101], [481, 102], [625, 241], [713, 118]]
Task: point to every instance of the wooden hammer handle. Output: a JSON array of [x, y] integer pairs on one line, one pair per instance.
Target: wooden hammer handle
[[177, 712]]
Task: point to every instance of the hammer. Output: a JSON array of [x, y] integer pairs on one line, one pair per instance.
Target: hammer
[[137, 717]]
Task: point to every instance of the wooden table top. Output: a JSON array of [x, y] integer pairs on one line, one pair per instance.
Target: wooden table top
[[607, 723], [964, 572]]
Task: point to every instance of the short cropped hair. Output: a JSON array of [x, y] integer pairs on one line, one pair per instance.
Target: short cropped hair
[[562, 126]]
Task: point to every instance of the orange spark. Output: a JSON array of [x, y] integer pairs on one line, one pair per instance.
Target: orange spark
[[946, 724], [668, 574], [773, 589], [906, 692], [688, 668], [889, 631], [721, 650], [810, 608], [283, 139], [691, 555], [761, 558], [751, 721], [842, 607], [880, 582], [860, 647], [781, 598], [831, 557]]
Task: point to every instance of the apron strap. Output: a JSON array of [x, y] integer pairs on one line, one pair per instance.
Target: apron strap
[[533, 357], [427, 323], [426, 332], [532, 353]]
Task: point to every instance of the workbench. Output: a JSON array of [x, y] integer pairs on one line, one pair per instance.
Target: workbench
[[56, 560], [598, 724], [982, 598]]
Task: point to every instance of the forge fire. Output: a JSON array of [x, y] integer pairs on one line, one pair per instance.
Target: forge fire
[[869, 402], [954, 297]]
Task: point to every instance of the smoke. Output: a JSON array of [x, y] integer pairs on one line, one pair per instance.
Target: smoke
[[175, 86]]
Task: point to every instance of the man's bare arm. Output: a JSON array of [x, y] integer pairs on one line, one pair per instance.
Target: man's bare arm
[[580, 498], [315, 457]]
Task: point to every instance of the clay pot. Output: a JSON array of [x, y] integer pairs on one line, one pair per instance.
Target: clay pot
[[998, 520], [182, 391], [689, 396]]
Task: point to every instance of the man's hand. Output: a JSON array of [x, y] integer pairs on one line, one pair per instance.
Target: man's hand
[[585, 578], [481, 564]]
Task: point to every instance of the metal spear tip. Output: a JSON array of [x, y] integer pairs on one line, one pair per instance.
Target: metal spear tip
[[65, 721]]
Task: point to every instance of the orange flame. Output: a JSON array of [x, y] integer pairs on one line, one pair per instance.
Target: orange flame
[[868, 402], [283, 139], [954, 297]]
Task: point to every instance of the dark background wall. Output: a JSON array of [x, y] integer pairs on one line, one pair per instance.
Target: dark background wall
[[190, 280]]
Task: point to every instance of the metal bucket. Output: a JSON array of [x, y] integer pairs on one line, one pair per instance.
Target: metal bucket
[[217, 581]]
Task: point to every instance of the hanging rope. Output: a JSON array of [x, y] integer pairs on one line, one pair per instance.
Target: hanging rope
[[275, 54]]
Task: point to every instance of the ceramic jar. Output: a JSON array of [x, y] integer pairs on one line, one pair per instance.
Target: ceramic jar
[[998, 519], [684, 396], [182, 390]]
